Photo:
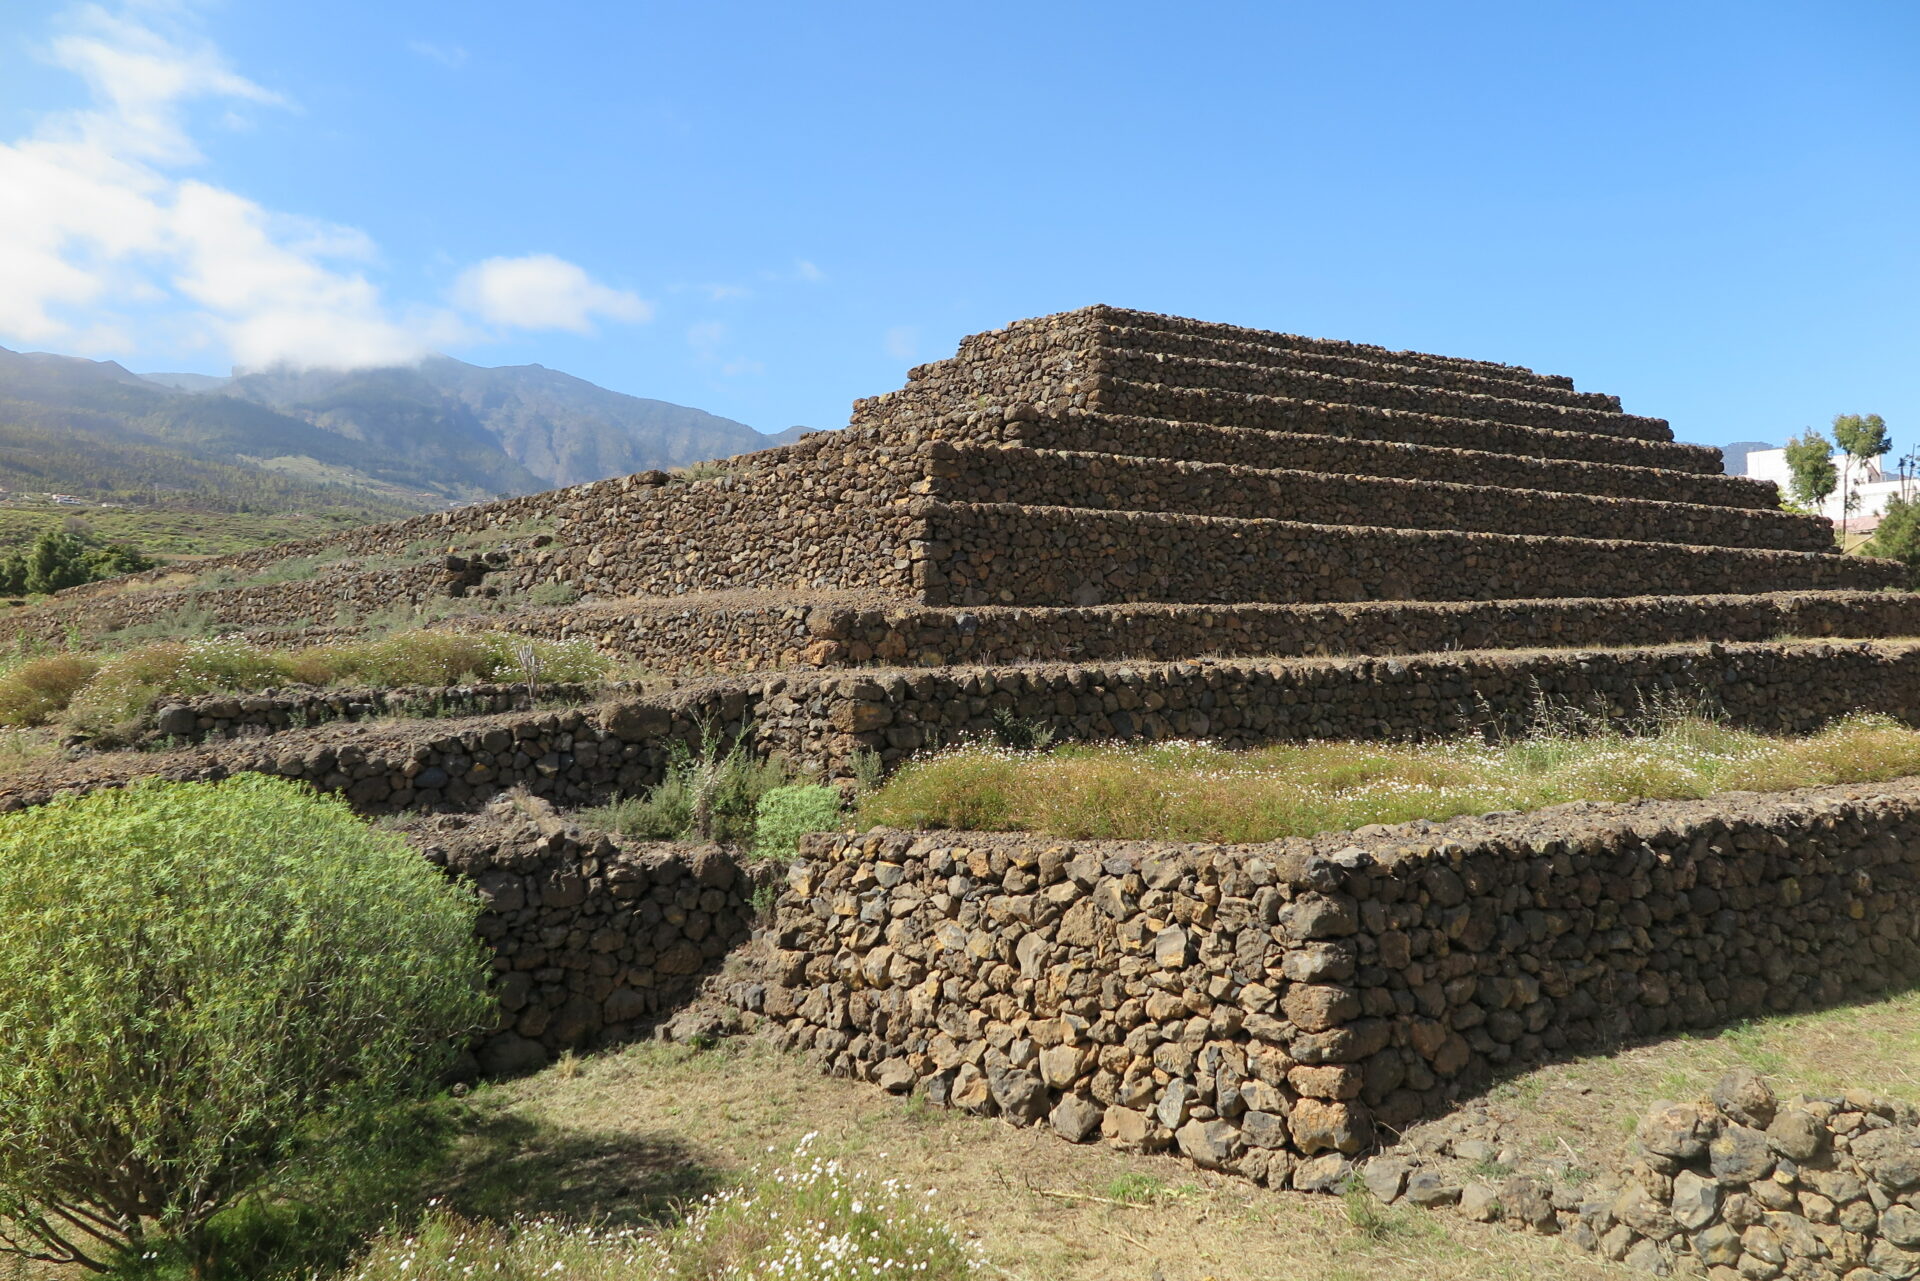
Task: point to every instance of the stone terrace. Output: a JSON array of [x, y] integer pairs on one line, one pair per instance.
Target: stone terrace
[[1107, 484]]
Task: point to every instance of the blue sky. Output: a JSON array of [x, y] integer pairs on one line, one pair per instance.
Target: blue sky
[[767, 210]]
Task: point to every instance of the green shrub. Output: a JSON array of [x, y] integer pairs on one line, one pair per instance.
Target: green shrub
[[58, 560], [785, 814], [191, 974], [1898, 536]]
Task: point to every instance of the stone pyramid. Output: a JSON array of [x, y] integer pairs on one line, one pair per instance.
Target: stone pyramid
[[1106, 482]]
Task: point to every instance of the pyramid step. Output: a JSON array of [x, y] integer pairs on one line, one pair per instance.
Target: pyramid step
[[1245, 447], [1283, 413], [1037, 478], [762, 630], [1326, 346], [1193, 372], [1381, 369], [992, 553], [757, 631]]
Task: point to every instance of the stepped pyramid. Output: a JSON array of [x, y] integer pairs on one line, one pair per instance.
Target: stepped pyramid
[[1113, 483], [1106, 485]]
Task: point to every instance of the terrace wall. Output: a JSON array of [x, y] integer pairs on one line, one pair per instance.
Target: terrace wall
[[1260, 1006]]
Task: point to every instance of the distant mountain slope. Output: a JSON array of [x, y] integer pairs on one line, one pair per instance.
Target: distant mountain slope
[[405, 438], [558, 429]]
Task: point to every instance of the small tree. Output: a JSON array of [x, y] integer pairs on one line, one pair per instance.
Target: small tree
[[1898, 536], [1810, 460], [189, 974], [1863, 437]]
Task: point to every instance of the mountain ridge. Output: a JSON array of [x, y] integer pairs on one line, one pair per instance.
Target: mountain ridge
[[422, 436]]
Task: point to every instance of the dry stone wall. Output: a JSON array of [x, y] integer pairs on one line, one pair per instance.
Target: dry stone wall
[[1266, 1009], [1243, 447], [1014, 474], [1378, 366], [342, 590], [1302, 384], [1005, 554], [820, 720], [744, 633], [595, 940], [1127, 318], [223, 716]]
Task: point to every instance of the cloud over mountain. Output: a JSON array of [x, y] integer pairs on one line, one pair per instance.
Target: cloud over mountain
[[106, 232]]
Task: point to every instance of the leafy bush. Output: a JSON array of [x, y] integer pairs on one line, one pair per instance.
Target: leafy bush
[[1898, 536], [814, 1221], [785, 814], [36, 691], [58, 559], [190, 975]]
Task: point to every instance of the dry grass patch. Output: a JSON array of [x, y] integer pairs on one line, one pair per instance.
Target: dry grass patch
[[1194, 792], [1036, 1207], [1590, 1106]]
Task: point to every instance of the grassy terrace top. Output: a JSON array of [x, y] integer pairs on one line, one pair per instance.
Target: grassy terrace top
[[1194, 792]]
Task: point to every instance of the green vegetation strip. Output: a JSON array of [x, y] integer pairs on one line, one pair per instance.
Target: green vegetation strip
[[1193, 792], [102, 695]]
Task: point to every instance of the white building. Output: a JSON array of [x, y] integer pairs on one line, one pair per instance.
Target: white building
[[1869, 486]]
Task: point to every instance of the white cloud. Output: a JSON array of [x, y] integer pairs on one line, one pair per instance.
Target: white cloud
[[541, 291], [902, 342], [103, 237], [452, 56]]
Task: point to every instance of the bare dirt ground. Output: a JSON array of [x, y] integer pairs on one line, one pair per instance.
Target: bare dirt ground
[[621, 1136]]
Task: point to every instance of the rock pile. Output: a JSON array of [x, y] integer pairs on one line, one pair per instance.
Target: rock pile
[[1735, 1186]]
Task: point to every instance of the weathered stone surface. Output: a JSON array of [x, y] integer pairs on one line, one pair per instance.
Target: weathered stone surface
[[1695, 1200], [1676, 1130], [1076, 1119], [1479, 1202], [1386, 1177], [1744, 1096], [1430, 1188], [1891, 1156], [1740, 1154], [1209, 1144]]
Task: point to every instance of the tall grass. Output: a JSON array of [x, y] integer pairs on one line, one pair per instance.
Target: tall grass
[[1194, 792], [811, 1221], [712, 794], [101, 694]]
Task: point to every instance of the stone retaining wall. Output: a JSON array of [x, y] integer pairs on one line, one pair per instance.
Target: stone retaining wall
[[223, 716], [1280, 413], [595, 939], [1261, 1007], [820, 720], [1197, 371], [1030, 477], [703, 634], [1003, 554], [1128, 318], [343, 588], [1378, 366], [1245, 447]]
